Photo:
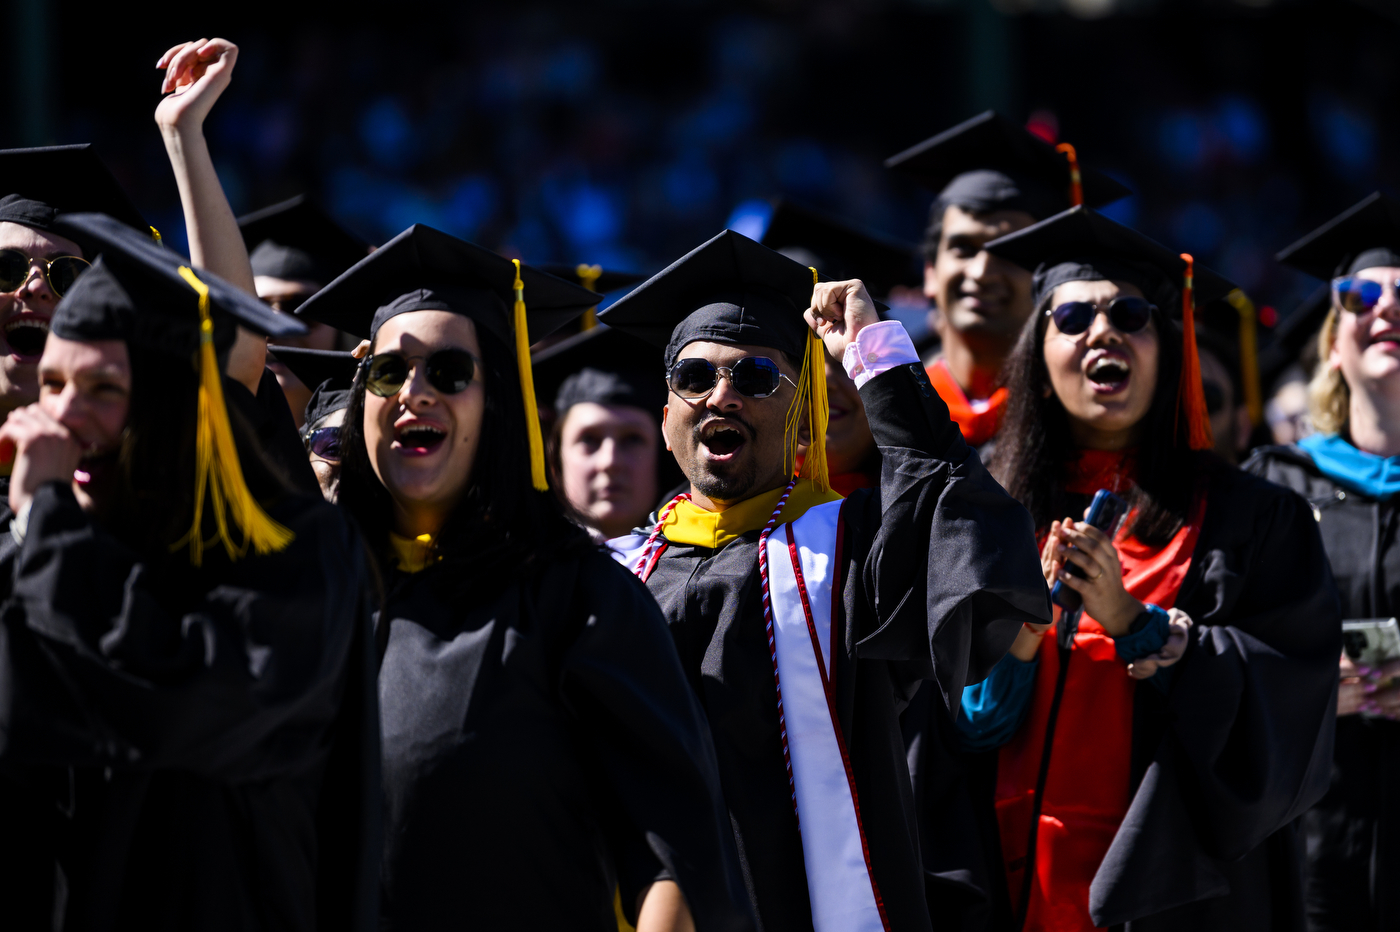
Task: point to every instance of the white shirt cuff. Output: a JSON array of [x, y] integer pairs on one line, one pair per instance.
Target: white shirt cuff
[[878, 348]]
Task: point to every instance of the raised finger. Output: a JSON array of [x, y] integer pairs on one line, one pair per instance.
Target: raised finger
[[164, 60], [181, 68]]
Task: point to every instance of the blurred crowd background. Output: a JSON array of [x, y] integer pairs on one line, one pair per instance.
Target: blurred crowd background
[[625, 132]]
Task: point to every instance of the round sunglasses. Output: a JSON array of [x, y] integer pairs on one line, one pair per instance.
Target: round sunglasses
[[324, 442], [1127, 314], [752, 377], [60, 272], [449, 371], [1360, 295]]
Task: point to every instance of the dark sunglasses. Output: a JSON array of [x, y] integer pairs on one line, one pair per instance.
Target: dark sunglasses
[[752, 377], [60, 272], [449, 371], [1359, 295], [325, 443], [1127, 314]]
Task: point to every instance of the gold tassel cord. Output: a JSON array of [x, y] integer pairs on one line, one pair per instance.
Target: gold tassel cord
[[588, 276], [527, 385], [811, 405], [1249, 355], [217, 470], [155, 235]]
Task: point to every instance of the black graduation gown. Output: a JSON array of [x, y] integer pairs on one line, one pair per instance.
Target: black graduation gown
[[207, 736], [939, 571], [1238, 748], [270, 418], [540, 750], [1353, 834]]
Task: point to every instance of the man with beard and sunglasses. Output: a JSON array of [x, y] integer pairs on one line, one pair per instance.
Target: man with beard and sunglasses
[[804, 621]]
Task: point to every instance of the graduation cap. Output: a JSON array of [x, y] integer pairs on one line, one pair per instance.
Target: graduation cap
[[1228, 326], [36, 185], [604, 365], [143, 294], [837, 249], [1294, 333], [1364, 236], [423, 269], [331, 373], [1081, 244], [990, 163], [736, 291], [297, 240]]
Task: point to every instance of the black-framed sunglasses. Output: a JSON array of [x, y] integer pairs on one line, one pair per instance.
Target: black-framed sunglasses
[[448, 370], [1128, 314], [325, 443], [60, 272], [1360, 295], [752, 377]]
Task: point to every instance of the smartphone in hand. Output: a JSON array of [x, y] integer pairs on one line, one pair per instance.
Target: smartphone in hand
[[1106, 512]]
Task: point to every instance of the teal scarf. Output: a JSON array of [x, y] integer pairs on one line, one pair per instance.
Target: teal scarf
[[1375, 476]]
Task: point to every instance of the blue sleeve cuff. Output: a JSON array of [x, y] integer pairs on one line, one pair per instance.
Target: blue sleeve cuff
[[993, 710], [1147, 635]]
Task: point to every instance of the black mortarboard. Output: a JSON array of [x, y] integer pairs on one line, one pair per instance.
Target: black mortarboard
[[1081, 244], [423, 269], [1364, 236], [426, 269], [593, 277], [1293, 334], [38, 184], [297, 240], [141, 292], [838, 250], [990, 163], [603, 365], [330, 372], [144, 294], [729, 290]]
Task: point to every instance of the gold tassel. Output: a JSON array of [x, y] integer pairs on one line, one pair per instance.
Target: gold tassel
[[1249, 355], [217, 469], [155, 235], [588, 276], [811, 401], [527, 385]]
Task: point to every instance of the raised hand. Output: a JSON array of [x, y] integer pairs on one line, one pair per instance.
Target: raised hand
[[42, 450], [839, 310], [196, 73]]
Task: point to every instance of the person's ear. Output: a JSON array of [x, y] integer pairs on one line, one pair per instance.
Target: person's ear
[[665, 411]]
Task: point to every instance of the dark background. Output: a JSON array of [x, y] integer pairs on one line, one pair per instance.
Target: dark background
[[627, 132]]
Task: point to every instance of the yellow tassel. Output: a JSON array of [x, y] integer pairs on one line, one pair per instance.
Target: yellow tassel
[[217, 469], [527, 385], [811, 404], [1249, 355], [155, 235], [588, 277]]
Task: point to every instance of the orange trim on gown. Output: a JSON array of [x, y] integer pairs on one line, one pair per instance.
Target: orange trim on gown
[[977, 426], [1087, 787]]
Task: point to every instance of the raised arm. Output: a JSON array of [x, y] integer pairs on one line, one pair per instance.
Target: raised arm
[[196, 73]]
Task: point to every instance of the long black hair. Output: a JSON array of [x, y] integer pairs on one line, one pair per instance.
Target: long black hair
[[1034, 451], [503, 526]]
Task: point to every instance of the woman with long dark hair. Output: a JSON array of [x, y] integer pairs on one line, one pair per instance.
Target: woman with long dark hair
[[1188, 702], [186, 653], [545, 762], [1348, 473]]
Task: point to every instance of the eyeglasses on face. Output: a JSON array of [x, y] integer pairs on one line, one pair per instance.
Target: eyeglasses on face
[[448, 370], [752, 377], [1127, 314], [60, 272], [1360, 295], [324, 442]]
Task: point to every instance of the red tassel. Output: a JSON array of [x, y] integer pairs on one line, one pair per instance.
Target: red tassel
[[1191, 395], [1076, 184]]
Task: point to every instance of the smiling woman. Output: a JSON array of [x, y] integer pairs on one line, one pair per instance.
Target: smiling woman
[[1214, 572], [537, 726]]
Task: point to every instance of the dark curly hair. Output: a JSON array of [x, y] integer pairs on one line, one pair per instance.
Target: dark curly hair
[[503, 526], [1033, 446]]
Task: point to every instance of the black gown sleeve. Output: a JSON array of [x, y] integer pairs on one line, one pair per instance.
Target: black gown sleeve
[[241, 686], [953, 569], [649, 741], [270, 418]]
